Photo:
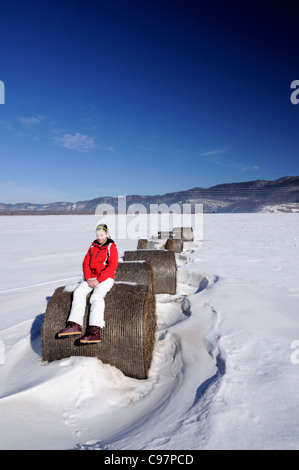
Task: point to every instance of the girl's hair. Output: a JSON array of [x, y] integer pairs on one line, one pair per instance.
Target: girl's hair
[[102, 227]]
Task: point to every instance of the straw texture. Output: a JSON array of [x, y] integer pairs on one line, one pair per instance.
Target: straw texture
[[144, 244], [127, 339], [174, 244], [140, 272], [164, 267], [185, 233]]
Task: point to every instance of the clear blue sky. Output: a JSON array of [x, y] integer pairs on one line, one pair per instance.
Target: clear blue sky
[[123, 97]]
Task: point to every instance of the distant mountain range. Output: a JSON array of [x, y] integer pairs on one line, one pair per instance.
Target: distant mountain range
[[281, 195]]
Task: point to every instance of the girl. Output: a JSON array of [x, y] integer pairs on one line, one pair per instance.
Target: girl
[[99, 268]]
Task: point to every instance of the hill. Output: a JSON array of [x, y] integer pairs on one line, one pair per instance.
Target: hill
[[281, 195]]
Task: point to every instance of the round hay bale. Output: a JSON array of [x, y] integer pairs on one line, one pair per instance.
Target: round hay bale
[[151, 245], [164, 234], [164, 268], [140, 272], [127, 339], [142, 244], [174, 244], [185, 233]]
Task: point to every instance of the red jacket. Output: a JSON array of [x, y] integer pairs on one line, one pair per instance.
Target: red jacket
[[98, 263]]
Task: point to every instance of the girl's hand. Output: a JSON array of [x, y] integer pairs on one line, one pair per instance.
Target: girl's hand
[[92, 282]]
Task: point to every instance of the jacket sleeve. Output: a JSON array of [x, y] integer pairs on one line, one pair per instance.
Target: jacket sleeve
[[111, 267], [86, 269]]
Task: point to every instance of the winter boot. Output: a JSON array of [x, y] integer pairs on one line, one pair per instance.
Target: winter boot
[[71, 329], [92, 335]]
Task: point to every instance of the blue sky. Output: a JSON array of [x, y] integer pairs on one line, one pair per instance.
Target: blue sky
[[144, 97]]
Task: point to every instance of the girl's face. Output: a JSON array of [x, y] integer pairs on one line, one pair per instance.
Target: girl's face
[[102, 236]]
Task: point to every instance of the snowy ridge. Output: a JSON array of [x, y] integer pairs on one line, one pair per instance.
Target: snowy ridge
[[248, 196], [291, 207]]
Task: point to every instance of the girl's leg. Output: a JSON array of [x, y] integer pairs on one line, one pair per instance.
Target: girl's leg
[[96, 317], [79, 303]]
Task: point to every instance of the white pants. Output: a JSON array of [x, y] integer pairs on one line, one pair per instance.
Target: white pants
[[97, 303]]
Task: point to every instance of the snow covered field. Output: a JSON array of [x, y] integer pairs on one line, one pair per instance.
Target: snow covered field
[[225, 373]]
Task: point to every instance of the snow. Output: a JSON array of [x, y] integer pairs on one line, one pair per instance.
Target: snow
[[223, 374], [290, 207]]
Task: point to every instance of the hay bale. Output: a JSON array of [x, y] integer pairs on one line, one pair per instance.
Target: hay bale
[[140, 272], [185, 233], [164, 268], [151, 245], [127, 339], [174, 244], [164, 234], [144, 244]]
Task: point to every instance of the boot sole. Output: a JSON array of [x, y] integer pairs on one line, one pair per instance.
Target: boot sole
[[68, 334], [89, 342]]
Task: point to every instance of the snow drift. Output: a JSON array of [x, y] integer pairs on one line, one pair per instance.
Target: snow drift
[[224, 373]]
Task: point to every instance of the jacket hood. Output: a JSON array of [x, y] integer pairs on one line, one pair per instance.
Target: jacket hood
[[96, 243]]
